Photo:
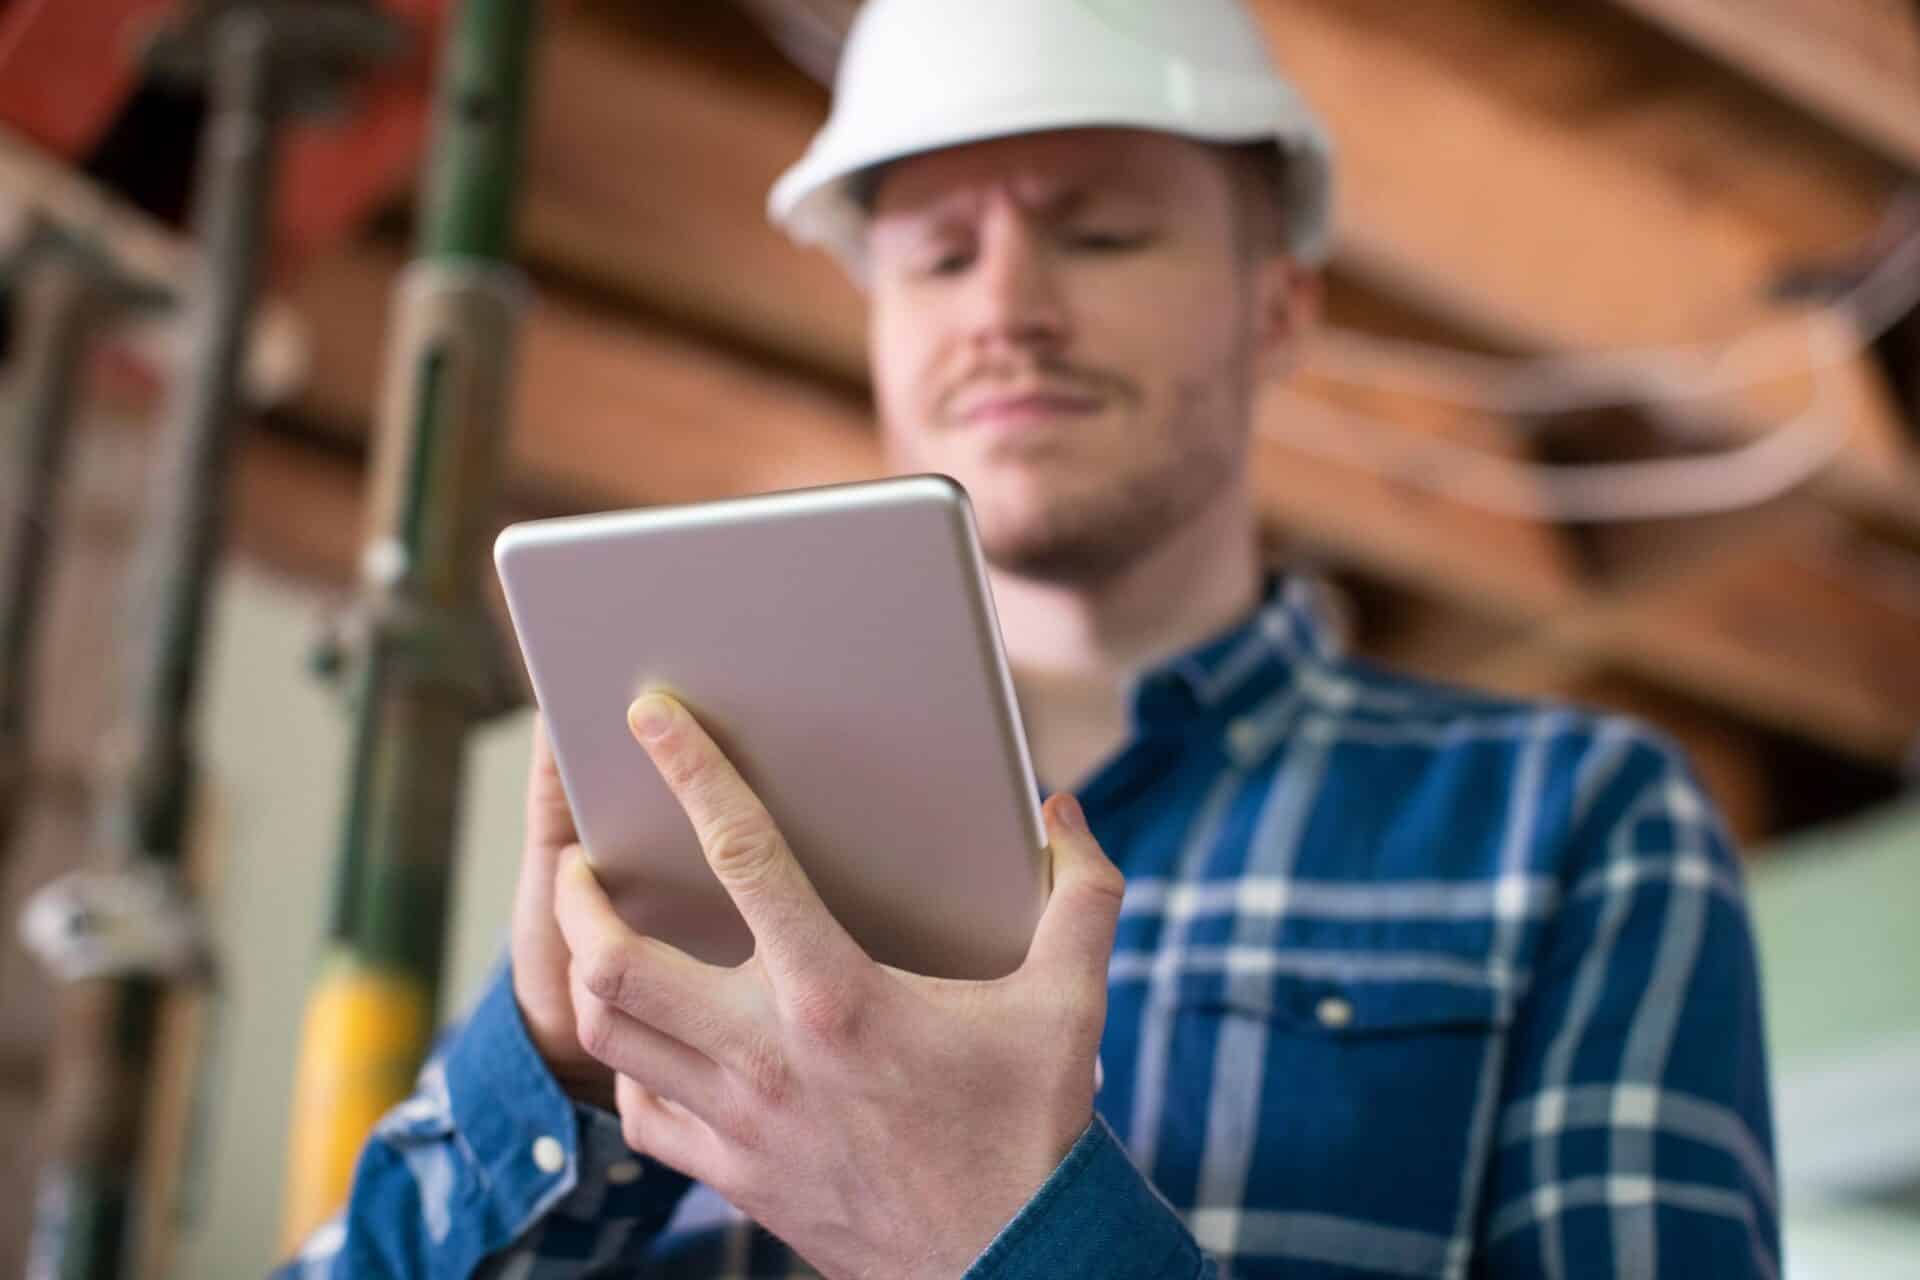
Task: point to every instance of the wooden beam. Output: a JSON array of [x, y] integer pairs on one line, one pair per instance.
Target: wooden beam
[[298, 510], [1807, 628], [648, 167], [1338, 488], [1509, 169], [1855, 65], [607, 411], [1518, 162]]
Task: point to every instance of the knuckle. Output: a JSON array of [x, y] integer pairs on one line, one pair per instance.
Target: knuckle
[[1105, 886], [741, 847], [826, 1013], [604, 972], [736, 1119], [763, 1070], [679, 763], [595, 1027]]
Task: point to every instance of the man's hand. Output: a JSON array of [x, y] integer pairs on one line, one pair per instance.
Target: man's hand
[[540, 959], [881, 1123]]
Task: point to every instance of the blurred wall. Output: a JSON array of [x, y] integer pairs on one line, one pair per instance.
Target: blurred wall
[[1836, 917], [276, 749]]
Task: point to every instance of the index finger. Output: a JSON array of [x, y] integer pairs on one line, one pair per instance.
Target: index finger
[[792, 929]]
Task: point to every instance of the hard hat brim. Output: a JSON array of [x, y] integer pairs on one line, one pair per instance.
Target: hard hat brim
[[817, 201]]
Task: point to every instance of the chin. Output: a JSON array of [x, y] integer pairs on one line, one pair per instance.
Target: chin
[[1057, 540]]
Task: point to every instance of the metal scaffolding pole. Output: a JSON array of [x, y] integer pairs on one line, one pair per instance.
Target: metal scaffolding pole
[[64, 289], [117, 937], [421, 653]]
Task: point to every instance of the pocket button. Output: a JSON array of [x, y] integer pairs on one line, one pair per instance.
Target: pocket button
[[1334, 1013]]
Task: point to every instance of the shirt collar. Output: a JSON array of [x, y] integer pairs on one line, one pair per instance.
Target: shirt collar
[[1246, 662]]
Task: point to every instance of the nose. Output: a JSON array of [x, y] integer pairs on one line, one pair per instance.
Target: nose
[[1017, 303]]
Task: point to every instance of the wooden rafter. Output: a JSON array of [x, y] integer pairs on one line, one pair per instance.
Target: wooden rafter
[[1854, 63], [648, 167], [1564, 226], [1805, 627], [607, 410]]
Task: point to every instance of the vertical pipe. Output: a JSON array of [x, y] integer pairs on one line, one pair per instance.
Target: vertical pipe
[[103, 1039], [61, 299], [426, 668]]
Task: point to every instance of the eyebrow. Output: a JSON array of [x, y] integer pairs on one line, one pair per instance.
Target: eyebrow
[[1065, 200]]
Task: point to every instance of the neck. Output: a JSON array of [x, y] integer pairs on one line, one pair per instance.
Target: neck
[[1074, 647], [1198, 582]]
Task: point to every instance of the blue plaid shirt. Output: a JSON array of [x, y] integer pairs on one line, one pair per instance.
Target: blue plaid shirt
[[1408, 982]]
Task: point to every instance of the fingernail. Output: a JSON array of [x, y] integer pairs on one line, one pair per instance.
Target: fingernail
[[649, 716], [1070, 815]]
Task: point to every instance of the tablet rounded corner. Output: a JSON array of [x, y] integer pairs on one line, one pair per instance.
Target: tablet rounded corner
[[947, 489], [505, 544]]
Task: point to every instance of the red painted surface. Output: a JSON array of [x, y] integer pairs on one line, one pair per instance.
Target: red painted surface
[[67, 68], [336, 174]]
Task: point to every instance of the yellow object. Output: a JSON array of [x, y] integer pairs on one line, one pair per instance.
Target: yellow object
[[363, 1039]]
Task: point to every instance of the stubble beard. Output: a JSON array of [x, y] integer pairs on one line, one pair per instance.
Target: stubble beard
[[1094, 533]]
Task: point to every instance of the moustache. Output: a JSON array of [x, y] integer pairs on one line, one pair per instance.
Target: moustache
[[1031, 377]]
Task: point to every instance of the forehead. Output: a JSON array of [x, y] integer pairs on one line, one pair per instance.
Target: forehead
[[1042, 169]]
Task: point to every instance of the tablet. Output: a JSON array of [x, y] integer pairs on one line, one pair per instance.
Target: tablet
[[840, 645]]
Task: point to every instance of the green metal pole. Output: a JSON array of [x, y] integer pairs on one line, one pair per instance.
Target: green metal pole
[[424, 664]]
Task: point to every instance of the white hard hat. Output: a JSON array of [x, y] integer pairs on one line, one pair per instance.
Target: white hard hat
[[919, 75]]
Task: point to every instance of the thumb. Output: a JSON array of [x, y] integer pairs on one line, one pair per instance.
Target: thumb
[[1076, 930]]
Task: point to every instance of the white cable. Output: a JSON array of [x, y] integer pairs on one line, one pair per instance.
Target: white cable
[[1658, 379], [1592, 493], [810, 39], [1527, 387]]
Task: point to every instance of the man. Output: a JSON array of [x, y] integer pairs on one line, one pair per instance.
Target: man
[[1404, 981]]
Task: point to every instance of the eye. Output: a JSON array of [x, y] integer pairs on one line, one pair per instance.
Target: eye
[[1105, 240], [948, 262]]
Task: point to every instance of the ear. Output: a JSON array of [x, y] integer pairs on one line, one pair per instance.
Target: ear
[[1289, 298]]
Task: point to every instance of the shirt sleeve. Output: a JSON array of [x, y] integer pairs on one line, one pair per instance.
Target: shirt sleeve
[[1096, 1217], [1633, 1137], [490, 1169]]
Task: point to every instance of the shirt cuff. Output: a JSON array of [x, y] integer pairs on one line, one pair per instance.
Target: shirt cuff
[[537, 1151], [1096, 1216]]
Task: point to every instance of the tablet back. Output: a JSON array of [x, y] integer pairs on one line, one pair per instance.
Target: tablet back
[[840, 645]]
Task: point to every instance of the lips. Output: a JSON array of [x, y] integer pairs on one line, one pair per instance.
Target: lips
[[1026, 408]]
